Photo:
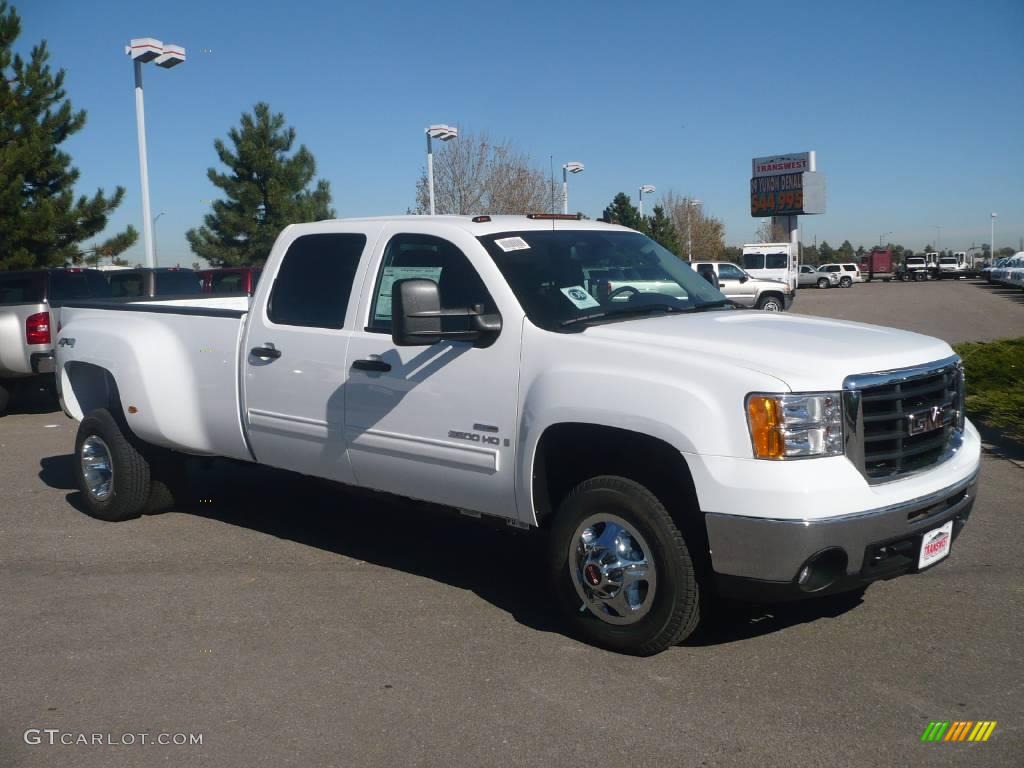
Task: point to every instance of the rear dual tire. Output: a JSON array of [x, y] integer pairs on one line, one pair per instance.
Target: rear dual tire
[[120, 477], [5, 397]]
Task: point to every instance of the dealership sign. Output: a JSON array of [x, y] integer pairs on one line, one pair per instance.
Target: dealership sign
[[779, 165], [786, 185]]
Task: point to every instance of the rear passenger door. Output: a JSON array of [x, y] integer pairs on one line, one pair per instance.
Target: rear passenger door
[[294, 354]]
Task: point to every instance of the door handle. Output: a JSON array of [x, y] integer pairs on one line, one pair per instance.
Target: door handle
[[265, 353], [372, 365]]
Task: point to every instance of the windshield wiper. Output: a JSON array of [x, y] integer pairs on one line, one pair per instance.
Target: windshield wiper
[[640, 310]]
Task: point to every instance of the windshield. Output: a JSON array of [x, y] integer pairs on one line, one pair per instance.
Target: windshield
[[564, 277]]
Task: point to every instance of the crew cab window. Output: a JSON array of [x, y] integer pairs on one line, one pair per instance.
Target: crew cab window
[[806, 269], [729, 272], [314, 282], [432, 258]]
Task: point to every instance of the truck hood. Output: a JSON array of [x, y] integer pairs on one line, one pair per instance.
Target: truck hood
[[807, 353]]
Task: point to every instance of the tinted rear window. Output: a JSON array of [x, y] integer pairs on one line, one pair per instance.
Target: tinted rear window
[[227, 282], [21, 288], [68, 286], [171, 283]]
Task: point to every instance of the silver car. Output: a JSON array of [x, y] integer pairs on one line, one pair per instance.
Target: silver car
[[747, 291], [28, 324], [809, 276]]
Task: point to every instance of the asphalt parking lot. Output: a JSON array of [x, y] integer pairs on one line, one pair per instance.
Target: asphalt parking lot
[[293, 625]]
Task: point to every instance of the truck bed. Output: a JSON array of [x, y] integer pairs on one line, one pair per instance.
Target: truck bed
[[192, 405]]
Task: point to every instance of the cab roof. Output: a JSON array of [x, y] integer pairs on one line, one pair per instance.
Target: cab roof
[[489, 224]]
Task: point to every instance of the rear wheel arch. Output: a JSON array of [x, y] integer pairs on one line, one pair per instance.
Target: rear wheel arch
[[86, 387]]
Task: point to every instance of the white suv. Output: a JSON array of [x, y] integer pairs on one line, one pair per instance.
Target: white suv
[[848, 273]]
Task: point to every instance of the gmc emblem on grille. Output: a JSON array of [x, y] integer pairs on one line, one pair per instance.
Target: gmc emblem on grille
[[927, 421]]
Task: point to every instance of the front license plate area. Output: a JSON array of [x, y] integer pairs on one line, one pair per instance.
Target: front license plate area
[[935, 545]]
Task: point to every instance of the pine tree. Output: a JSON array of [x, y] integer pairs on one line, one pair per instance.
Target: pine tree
[[41, 222], [661, 229], [622, 211], [266, 189]]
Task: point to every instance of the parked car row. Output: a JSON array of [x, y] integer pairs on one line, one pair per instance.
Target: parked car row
[[27, 324], [1007, 271]]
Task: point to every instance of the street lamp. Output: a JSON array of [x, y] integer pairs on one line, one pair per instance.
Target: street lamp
[[572, 167], [689, 229], [649, 189], [938, 236], [154, 234], [444, 133], [884, 234], [992, 239], [143, 50]]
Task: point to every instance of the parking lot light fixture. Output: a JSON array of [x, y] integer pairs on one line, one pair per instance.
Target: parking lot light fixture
[[571, 167], [992, 238], [143, 50], [649, 189], [689, 229], [883, 235], [441, 132]]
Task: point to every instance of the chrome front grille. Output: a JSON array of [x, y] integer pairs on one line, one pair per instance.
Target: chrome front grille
[[904, 421]]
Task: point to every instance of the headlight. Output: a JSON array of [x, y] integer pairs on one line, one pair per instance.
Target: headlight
[[795, 426]]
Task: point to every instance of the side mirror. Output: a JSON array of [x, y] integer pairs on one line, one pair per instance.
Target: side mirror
[[744, 277], [416, 316]]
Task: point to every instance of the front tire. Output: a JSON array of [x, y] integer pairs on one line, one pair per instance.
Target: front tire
[[621, 570], [770, 304], [823, 282], [111, 473]]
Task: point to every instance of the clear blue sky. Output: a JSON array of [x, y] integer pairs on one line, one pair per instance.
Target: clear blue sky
[[916, 109]]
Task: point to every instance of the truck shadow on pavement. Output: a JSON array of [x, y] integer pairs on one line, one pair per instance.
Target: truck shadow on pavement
[[505, 567], [1005, 291]]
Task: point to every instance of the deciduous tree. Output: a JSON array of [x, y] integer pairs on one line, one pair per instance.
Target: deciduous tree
[[475, 175]]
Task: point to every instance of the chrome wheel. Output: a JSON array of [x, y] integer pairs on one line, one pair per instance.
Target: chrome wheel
[[612, 569], [97, 468]]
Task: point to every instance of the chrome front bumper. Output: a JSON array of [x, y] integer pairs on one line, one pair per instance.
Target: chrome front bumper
[[764, 557]]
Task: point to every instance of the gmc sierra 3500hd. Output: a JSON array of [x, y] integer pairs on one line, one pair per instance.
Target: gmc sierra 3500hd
[[674, 446]]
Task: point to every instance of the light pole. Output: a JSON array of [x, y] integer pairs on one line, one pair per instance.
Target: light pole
[[992, 239], [571, 167], [689, 229], [444, 133], [649, 189], [142, 50], [938, 237], [884, 234], [154, 234]]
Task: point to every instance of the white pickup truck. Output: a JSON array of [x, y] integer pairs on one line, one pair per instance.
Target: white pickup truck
[[674, 446]]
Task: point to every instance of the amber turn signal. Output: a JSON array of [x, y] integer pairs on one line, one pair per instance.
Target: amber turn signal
[[765, 419]]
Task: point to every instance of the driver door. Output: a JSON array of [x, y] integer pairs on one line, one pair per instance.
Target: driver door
[[435, 422]]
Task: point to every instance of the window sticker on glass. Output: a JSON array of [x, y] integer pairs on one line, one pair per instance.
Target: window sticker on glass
[[512, 244], [578, 296]]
